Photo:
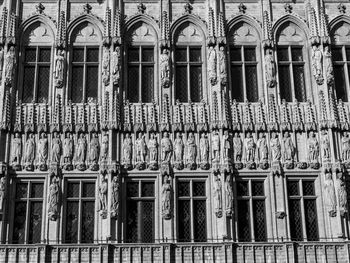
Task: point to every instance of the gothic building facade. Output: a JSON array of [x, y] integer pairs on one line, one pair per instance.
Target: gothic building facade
[[174, 131]]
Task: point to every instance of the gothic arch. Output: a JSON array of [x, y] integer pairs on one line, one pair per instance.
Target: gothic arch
[[138, 19], [188, 19], [244, 19], [249, 30], [35, 22], [283, 22], [94, 23], [340, 29]]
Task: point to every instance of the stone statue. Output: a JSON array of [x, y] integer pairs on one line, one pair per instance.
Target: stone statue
[[288, 148], [56, 148], [30, 152], [2, 191], [212, 65], [270, 69], [10, 62], [249, 148], [346, 147], [115, 197], [167, 147], [68, 145], [204, 148], [262, 148], [59, 67], [16, 149], [116, 65], [328, 66], [275, 147], [329, 195], [178, 148], [105, 66], [342, 195], [227, 145], [127, 150], [317, 64], [43, 149], [216, 146], [104, 147], [94, 151], [217, 195], [166, 198], [54, 191], [164, 68], [237, 148], [81, 150], [141, 148], [228, 196], [313, 148], [1, 60], [153, 149], [222, 65], [102, 194], [325, 146], [191, 149]]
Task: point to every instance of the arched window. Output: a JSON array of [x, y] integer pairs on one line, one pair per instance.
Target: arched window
[[244, 57], [291, 57], [188, 63], [36, 61], [84, 58], [341, 59], [140, 63]]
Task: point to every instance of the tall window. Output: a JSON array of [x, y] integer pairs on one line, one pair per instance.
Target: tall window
[[140, 212], [302, 210], [84, 81], [140, 74], [28, 206], [341, 59], [291, 57], [188, 68], [80, 212], [251, 210], [244, 73], [191, 211]]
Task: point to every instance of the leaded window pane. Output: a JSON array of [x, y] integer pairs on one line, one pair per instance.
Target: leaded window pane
[[147, 54], [243, 221], [308, 188], [92, 55], [199, 224], [77, 88], [73, 189], [235, 54], [195, 54], [37, 190], [132, 221], [242, 188], [78, 55], [30, 55], [148, 221], [293, 188], [299, 83], [72, 216], [181, 55], [133, 84], [295, 220], [337, 54], [183, 189], [297, 54], [132, 189], [184, 217], [21, 190], [147, 189], [198, 188], [311, 219], [89, 190], [181, 83], [237, 83], [28, 83], [92, 82], [258, 188], [196, 83], [282, 54], [251, 83], [284, 83], [249, 54], [259, 220], [347, 51], [147, 83], [43, 83], [87, 228], [340, 84], [35, 222], [133, 55], [45, 55], [19, 223]]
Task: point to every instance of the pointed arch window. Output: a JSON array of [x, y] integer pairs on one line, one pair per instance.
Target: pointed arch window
[[188, 56], [36, 62], [291, 57], [341, 59], [244, 57], [141, 59], [85, 57]]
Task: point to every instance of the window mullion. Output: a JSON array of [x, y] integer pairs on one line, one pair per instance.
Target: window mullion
[[243, 75], [80, 214], [140, 75], [302, 208], [291, 72], [188, 78], [251, 218], [26, 231]]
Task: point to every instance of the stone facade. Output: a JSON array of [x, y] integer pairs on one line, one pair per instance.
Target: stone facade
[[174, 131]]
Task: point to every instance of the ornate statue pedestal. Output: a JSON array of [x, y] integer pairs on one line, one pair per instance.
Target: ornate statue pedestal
[[103, 214], [204, 166], [42, 167], [192, 166], [315, 165], [178, 165], [140, 165], [302, 165], [251, 165], [94, 167], [238, 165], [153, 166], [81, 166], [68, 166], [264, 165], [114, 214], [289, 164], [29, 167]]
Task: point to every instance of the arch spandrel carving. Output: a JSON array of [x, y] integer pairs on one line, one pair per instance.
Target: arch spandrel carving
[[341, 32], [86, 33], [187, 33], [243, 32], [38, 33], [290, 32], [141, 32]]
